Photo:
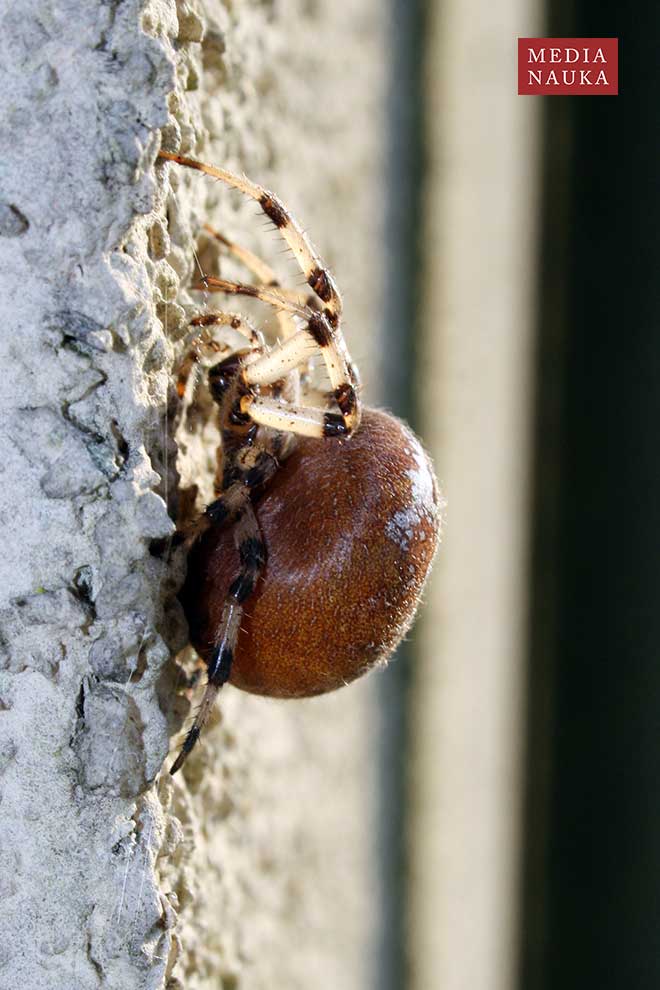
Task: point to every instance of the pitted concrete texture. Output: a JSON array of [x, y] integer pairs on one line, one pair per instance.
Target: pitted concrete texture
[[256, 867]]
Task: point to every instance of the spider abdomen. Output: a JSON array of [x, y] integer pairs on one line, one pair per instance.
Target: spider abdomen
[[350, 531]]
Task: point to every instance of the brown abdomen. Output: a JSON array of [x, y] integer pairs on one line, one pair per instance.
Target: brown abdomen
[[351, 529]]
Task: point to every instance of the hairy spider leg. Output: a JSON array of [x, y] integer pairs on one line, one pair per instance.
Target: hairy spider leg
[[269, 279], [291, 353], [202, 340], [233, 320], [258, 468], [249, 465], [252, 554], [260, 414], [267, 276], [318, 277], [252, 262], [264, 273], [343, 374], [275, 297]]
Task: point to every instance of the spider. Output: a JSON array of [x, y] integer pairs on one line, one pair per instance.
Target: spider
[[307, 568]]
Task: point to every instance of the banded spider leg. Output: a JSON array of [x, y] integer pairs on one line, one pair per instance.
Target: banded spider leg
[[252, 553], [261, 411], [323, 328]]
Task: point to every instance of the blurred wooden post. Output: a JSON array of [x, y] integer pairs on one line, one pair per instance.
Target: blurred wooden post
[[476, 361]]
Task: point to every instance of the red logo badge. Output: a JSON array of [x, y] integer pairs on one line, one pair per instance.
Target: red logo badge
[[568, 66]]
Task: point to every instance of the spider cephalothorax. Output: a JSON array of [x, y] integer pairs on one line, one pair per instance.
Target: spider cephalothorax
[[325, 521]]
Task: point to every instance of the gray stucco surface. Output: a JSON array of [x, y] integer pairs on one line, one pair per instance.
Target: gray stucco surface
[[261, 854]]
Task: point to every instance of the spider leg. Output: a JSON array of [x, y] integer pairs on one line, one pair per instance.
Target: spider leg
[[252, 262], [269, 279], [308, 421], [266, 368], [343, 374], [258, 464], [255, 472], [202, 340], [275, 297], [317, 275], [233, 320], [264, 273], [252, 553], [295, 351]]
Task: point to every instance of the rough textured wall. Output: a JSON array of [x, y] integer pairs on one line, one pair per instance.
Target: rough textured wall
[[262, 850], [85, 374]]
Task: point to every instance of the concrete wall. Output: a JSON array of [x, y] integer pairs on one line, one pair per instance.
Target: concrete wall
[[255, 867]]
